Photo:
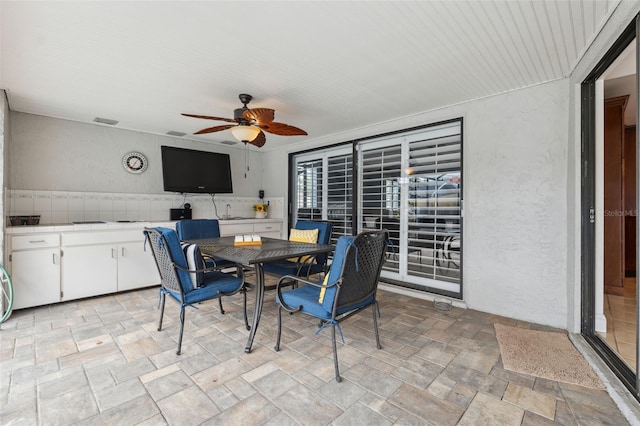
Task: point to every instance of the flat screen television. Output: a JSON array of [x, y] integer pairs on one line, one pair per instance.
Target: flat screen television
[[188, 170]]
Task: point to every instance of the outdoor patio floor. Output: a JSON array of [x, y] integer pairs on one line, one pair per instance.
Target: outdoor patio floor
[[102, 361]]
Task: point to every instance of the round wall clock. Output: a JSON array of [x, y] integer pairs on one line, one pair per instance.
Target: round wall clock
[[135, 162]]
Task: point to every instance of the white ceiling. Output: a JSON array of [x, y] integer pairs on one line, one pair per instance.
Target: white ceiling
[[326, 67]]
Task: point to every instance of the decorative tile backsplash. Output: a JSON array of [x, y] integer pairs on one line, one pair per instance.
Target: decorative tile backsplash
[[65, 207]]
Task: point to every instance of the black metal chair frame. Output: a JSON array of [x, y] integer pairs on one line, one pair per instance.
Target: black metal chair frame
[[207, 257], [392, 226], [355, 285], [445, 250], [304, 266], [170, 281]]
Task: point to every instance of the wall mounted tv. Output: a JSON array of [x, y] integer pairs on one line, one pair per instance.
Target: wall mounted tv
[[188, 170]]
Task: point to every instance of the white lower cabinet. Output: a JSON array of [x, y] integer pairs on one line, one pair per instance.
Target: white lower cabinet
[[89, 271], [61, 265], [68, 265], [263, 227], [35, 275], [105, 262], [136, 266], [272, 230]]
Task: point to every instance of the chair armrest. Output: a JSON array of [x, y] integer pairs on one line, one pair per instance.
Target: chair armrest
[[290, 278], [211, 258], [311, 259], [175, 265]]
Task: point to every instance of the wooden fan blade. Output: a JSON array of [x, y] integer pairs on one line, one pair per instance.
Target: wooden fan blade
[[214, 129], [259, 115], [281, 129], [208, 117], [259, 141]]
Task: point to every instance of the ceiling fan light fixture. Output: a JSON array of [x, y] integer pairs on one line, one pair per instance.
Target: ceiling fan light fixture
[[248, 125], [245, 133]]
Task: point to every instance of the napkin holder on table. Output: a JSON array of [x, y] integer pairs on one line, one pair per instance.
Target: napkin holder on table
[[247, 240]]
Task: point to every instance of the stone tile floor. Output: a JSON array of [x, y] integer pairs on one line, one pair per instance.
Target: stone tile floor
[[622, 324], [102, 361]]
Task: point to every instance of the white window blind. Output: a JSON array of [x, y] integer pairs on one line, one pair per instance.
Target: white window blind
[[340, 194], [324, 189], [410, 185], [434, 217], [380, 171], [309, 190]]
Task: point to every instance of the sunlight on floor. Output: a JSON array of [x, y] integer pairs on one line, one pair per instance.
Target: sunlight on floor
[[620, 312]]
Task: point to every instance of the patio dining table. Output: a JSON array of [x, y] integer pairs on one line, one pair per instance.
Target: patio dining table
[[271, 250]]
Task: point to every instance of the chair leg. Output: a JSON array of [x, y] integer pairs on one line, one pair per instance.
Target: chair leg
[[279, 331], [335, 353], [375, 326], [181, 330], [162, 299], [220, 302], [244, 305]]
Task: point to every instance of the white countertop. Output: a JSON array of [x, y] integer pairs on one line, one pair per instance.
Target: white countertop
[[249, 220], [67, 227]]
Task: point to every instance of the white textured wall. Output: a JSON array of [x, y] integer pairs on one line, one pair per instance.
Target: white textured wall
[[515, 199], [515, 189], [61, 155]]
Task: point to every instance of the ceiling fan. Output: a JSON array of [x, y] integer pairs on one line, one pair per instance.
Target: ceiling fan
[[250, 124]]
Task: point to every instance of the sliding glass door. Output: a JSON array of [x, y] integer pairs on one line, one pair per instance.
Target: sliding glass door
[[323, 188], [411, 185], [610, 205], [408, 183]]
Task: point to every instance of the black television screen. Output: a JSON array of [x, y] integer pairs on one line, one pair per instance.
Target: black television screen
[[188, 170]]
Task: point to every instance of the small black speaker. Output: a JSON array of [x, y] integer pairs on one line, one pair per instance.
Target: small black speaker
[[177, 214]]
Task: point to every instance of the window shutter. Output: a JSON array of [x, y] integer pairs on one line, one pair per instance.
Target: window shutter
[[434, 199], [380, 196], [340, 194], [309, 190]]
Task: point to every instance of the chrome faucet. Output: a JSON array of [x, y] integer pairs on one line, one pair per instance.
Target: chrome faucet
[[228, 216]]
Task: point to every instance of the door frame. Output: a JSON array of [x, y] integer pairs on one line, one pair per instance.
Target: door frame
[[588, 209]]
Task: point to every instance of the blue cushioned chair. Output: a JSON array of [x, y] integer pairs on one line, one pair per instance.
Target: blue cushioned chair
[[350, 287], [194, 229], [188, 286], [312, 265]]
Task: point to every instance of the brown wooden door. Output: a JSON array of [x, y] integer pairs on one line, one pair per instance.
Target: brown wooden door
[[630, 196], [613, 194]]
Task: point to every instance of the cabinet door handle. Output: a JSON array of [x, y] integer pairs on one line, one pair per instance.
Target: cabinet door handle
[[54, 259], [36, 241], [114, 253], [123, 253]]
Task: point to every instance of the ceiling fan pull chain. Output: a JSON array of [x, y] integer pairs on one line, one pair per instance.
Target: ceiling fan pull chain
[[246, 162]]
